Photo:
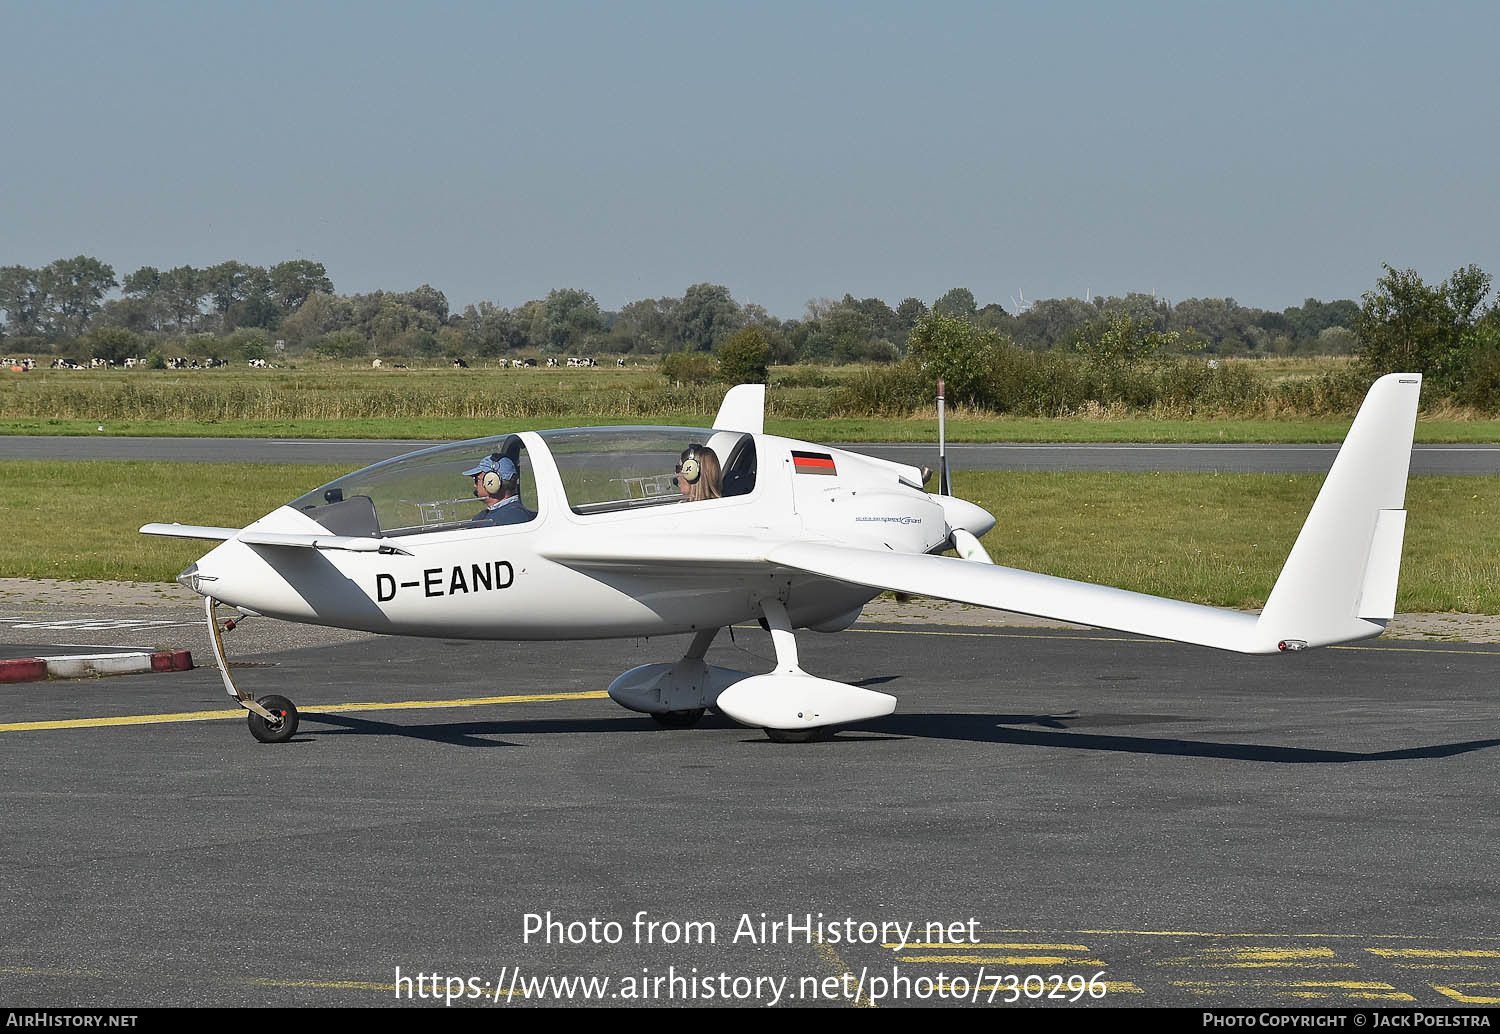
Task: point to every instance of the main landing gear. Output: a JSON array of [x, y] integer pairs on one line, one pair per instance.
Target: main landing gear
[[789, 704], [273, 719]]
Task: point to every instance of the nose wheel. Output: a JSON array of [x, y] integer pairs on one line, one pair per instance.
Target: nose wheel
[[280, 727]]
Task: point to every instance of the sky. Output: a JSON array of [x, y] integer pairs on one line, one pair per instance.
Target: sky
[[1266, 151]]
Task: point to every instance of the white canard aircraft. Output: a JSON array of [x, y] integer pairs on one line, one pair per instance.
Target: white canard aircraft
[[803, 536]]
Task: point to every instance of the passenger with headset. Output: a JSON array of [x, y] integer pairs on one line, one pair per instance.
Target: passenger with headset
[[698, 474], [497, 481]]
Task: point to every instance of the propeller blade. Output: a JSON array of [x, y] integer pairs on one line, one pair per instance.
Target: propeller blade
[[968, 547]]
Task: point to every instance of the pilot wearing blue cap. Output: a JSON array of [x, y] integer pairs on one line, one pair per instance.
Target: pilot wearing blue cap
[[497, 481]]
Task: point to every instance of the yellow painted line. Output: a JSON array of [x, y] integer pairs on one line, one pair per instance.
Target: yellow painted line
[[1336, 985], [1008, 960], [1016, 947], [337, 985], [1395, 996], [864, 1001], [135, 719], [413, 705], [1459, 996], [1269, 954], [1200, 963], [1392, 996], [1434, 953], [310, 711], [1446, 967], [1262, 935], [1144, 641]]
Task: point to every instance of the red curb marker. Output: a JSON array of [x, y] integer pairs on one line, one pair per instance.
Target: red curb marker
[[172, 660], [31, 669]]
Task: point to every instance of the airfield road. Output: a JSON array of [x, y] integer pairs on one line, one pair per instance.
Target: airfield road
[[1476, 460], [1187, 827]]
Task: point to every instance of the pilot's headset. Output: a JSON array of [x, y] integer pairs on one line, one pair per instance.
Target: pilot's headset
[[505, 473], [690, 469]]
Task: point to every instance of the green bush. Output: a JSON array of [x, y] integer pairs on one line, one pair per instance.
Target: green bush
[[743, 357], [951, 349], [689, 368]]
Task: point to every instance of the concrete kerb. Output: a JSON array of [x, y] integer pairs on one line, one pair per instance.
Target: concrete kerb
[[91, 665]]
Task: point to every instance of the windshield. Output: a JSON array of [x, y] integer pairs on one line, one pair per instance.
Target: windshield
[[427, 491]]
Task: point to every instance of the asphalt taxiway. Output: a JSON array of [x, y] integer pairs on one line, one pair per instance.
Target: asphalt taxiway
[[1189, 827], [1475, 460]]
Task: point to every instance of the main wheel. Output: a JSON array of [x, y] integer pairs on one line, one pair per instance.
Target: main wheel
[[679, 719], [817, 732], [280, 730]]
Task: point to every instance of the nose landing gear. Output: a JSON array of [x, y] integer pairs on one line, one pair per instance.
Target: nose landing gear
[[273, 719]]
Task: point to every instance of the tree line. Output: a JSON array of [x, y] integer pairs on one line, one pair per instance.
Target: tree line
[[239, 309]]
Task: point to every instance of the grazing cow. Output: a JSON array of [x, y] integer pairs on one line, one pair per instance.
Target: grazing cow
[[258, 363], [376, 364], [551, 362], [620, 362], [459, 364]]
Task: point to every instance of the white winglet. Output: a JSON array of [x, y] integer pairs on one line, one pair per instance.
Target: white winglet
[[743, 409]]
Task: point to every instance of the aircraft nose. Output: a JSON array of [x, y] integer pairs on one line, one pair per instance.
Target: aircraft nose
[[190, 579]]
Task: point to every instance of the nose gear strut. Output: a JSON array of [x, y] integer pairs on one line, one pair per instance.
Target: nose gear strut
[[273, 719]]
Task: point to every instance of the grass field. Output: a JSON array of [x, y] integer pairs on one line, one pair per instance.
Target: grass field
[[341, 401], [1210, 538]]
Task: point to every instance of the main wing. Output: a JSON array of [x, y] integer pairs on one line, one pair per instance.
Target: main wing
[[1026, 592], [1338, 584]]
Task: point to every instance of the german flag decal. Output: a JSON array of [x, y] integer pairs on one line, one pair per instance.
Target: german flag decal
[[813, 463]]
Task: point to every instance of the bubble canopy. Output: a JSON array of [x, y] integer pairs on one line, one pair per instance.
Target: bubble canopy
[[602, 469], [619, 468]]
